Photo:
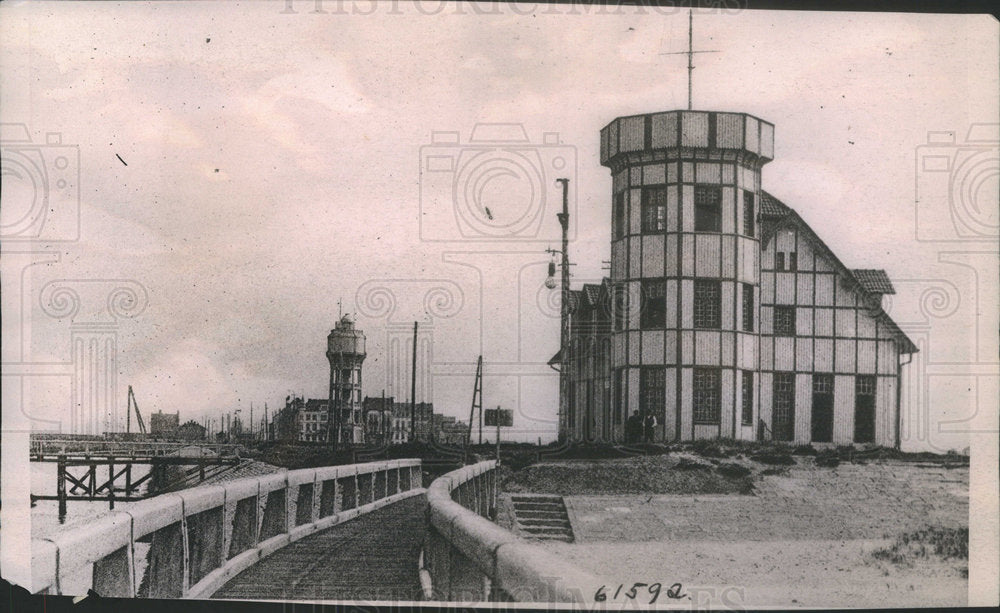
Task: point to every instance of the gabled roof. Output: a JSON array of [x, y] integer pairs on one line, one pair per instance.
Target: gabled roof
[[875, 280], [780, 214], [592, 293]]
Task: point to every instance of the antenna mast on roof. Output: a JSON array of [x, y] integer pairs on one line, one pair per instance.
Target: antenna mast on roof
[[690, 53]]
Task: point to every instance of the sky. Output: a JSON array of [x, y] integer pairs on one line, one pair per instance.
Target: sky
[[252, 170]]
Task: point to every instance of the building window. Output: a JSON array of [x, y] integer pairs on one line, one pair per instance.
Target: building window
[[652, 391], [707, 208], [784, 321], [783, 420], [618, 225], [571, 408], [619, 394], [748, 310], [779, 260], [654, 210], [707, 309], [707, 395], [864, 409], [654, 306], [749, 219], [747, 405], [621, 307], [793, 260]]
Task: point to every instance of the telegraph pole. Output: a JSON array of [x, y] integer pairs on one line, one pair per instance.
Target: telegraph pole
[[413, 388], [564, 307]]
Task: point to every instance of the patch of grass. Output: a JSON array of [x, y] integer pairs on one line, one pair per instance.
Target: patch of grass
[[943, 543], [774, 458], [733, 471], [804, 450], [828, 459], [636, 475]]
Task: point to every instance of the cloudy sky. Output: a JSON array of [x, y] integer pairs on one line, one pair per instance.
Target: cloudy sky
[[249, 166]]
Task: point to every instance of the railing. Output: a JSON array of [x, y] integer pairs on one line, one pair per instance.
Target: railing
[[135, 448], [190, 543], [469, 558]]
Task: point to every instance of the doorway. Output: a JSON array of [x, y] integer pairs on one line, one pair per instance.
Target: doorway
[[822, 409]]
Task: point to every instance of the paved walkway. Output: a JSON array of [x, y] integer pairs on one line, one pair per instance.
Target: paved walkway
[[370, 558]]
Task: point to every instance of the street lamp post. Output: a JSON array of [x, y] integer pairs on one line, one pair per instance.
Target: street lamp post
[[564, 311]]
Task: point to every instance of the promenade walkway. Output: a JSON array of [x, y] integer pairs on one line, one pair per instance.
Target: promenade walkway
[[373, 557]]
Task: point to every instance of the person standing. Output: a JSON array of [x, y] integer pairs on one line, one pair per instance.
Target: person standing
[[650, 427], [633, 428]]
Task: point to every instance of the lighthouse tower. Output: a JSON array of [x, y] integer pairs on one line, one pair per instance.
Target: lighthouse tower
[[685, 267], [345, 349]]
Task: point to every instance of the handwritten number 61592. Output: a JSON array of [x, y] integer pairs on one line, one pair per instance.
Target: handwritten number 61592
[[654, 589]]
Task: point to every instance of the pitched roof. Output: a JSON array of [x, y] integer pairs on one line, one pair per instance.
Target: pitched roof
[[871, 281], [593, 293], [874, 280], [772, 207]]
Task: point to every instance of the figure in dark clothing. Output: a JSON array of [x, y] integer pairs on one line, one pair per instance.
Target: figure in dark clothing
[[650, 427], [633, 428]]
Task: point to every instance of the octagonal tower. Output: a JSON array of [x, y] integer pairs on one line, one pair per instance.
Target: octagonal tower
[[685, 267]]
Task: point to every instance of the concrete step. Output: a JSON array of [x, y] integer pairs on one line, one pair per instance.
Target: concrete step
[[538, 506], [539, 514], [535, 498], [545, 522]]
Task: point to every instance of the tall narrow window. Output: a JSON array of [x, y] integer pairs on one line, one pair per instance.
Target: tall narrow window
[[621, 307], [707, 395], [749, 219], [652, 391], [746, 389], [707, 309], [783, 419], [779, 260], [619, 216], [707, 208], [748, 310], [619, 394], [793, 260], [654, 210], [864, 409], [654, 305], [784, 321]]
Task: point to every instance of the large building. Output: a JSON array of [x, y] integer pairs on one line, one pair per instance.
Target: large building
[[164, 424], [725, 315]]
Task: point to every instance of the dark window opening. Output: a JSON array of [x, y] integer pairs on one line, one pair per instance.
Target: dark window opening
[[779, 260], [707, 208], [749, 219], [864, 409], [621, 307], [654, 210], [822, 408], [619, 394], [784, 321], [654, 307], [783, 420], [707, 304], [747, 405], [707, 395], [793, 260], [748, 310], [619, 223], [652, 391]]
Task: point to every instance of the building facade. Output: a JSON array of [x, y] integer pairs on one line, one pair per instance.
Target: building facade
[[725, 315], [164, 424]]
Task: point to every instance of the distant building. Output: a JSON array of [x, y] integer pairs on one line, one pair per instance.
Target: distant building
[[191, 431], [285, 425], [450, 431], [164, 424], [312, 421], [378, 416]]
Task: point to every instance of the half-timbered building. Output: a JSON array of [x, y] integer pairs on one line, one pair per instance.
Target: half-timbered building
[[725, 314]]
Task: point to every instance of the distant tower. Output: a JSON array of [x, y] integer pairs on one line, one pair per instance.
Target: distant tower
[[685, 254], [345, 348]]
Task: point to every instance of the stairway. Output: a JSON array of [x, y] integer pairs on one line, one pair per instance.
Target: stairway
[[542, 517]]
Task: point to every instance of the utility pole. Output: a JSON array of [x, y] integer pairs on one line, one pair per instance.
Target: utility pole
[[564, 310], [413, 388]]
